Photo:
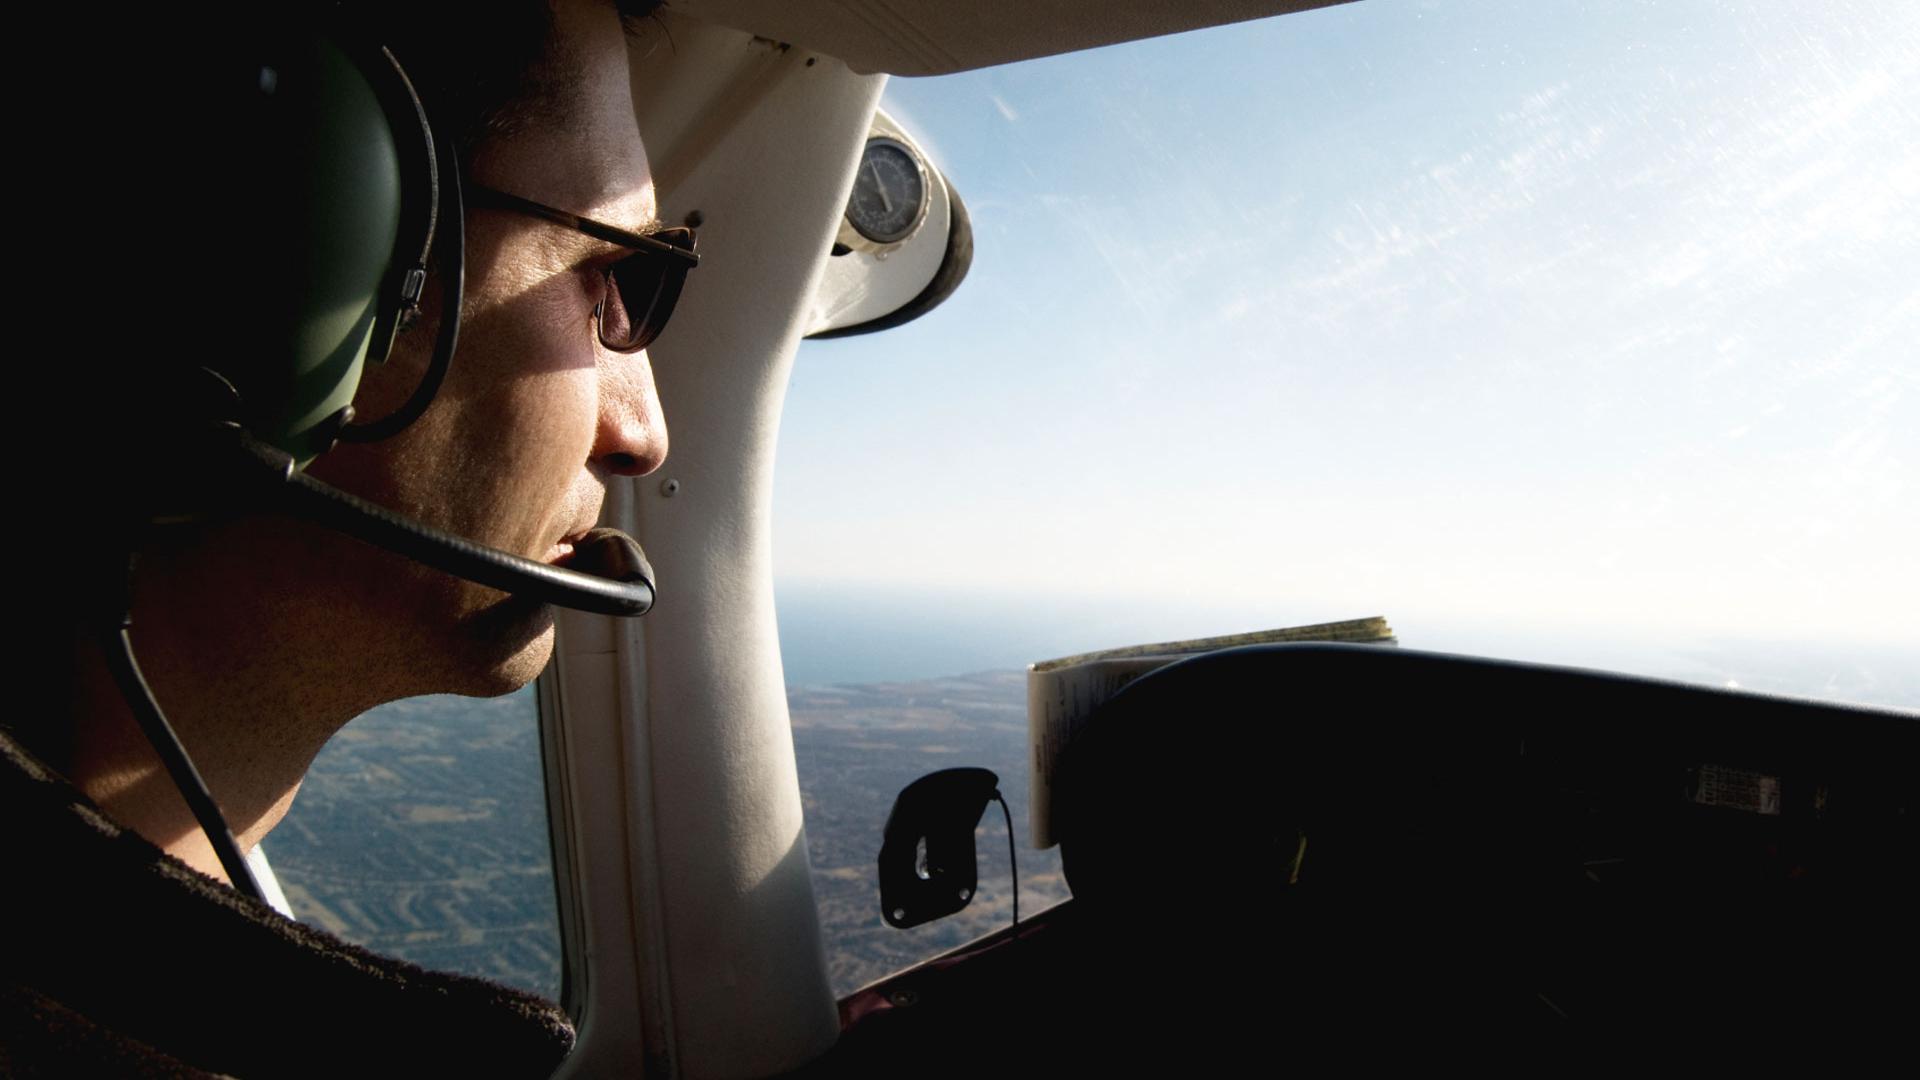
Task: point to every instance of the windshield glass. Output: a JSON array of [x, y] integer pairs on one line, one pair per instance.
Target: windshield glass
[[1581, 333], [1578, 332]]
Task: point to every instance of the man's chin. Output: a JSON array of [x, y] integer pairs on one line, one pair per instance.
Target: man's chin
[[511, 642]]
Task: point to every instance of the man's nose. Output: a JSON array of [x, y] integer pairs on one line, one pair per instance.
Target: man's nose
[[632, 435]]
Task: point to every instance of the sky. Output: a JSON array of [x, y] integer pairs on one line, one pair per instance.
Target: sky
[[1592, 320]]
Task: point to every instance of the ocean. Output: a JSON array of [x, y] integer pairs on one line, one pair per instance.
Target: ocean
[[860, 634]]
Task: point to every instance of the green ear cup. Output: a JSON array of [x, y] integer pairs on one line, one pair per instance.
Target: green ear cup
[[328, 190]]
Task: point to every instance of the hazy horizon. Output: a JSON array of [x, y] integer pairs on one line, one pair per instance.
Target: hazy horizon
[[853, 635]]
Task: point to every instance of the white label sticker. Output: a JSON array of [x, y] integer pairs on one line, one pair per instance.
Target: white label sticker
[[1738, 789]]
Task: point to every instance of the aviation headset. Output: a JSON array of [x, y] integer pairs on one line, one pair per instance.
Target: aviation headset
[[353, 194]]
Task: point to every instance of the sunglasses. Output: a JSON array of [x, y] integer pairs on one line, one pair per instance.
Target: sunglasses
[[641, 288]]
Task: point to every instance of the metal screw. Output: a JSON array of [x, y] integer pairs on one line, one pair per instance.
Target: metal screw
[[669, 488]]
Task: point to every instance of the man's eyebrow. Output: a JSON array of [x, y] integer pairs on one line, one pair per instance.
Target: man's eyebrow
[[609, 194], [601, 246], [602, 230], [608, 234], [646, 228]]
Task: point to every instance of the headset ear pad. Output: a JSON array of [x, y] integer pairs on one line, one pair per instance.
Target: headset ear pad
[[324, 179]]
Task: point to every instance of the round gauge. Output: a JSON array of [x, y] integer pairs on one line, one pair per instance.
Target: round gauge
[[889, 192]]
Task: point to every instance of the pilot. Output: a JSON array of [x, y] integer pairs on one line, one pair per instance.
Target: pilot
[[262, 635]]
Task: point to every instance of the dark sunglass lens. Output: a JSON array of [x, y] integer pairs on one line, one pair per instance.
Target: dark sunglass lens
[[642, 293], [616, 319], [636, 292]]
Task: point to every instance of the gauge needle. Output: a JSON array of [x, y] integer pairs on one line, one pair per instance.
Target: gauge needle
[[880, 185]]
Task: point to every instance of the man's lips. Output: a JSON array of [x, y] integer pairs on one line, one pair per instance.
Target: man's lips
[[561, 553]]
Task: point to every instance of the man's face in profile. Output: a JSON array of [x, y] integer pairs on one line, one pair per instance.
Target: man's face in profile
[[536, 414]]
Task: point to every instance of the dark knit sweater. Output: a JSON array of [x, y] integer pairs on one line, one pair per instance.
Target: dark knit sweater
[[120, 960]]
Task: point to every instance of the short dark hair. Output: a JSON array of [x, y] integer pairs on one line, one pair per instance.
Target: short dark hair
[[481, 76]]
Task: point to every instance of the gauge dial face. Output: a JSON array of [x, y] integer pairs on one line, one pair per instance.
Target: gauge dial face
[[889, 192]]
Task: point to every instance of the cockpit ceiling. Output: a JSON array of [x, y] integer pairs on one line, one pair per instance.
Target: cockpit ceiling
[[934, 37]]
